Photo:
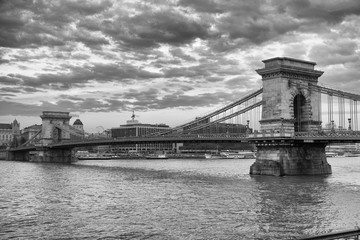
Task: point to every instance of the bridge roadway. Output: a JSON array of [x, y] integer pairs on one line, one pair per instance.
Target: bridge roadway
[[216, 138], [345, 136], [309, 137]]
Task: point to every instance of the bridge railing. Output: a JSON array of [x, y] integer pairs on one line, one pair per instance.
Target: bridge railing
[[271, 134], [328, 134], [171, 136], [350, 234], [349, 134]]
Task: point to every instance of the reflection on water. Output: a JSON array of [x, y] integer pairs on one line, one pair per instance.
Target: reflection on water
[[173, 199]]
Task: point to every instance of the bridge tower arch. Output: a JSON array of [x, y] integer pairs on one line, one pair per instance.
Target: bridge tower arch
[[55, 127], [283, 79], [290, 105]]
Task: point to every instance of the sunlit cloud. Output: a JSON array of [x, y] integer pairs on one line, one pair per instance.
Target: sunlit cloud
[[111, 57]]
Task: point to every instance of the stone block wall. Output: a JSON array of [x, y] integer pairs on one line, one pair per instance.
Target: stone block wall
[[291, 159]]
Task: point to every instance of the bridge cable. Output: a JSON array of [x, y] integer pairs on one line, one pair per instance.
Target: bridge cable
[[340, 112], [330, 110], [319, 107], [32, 138], [326, 90], [355, 115], [212, 114], [351, 118], [223, 119]]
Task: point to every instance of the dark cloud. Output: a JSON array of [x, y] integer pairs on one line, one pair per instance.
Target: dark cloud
[[212, 69], [78, 76], [149, 95], [47, 23], [7, 95], [177, 52], [189, 101], [206, 6], [11, 79], [169, 48], [151, 28], [215, 79], [335, 52], [345, 78], [153, 99], [70, 97], [20, 109], [241, 82], [329, 11], [241, 23], [2, 61], [54, 23], [10, 90], [147, 100]]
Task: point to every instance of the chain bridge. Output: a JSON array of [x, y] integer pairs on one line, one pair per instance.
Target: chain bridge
[[290, 120]]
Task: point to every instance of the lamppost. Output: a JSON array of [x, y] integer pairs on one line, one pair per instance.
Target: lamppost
[[349, 119], [247, 127]]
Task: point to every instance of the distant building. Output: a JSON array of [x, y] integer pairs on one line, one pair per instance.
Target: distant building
[[78, 125], [30, 132], [218, 128], [8, 131], [78, 128], [135, 129]]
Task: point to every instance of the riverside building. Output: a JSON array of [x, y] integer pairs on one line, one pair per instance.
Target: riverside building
[[31, 132], [8, 131], [133, 128]]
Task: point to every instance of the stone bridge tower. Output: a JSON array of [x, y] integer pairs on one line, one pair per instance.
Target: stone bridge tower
[[55, 127], [290, 106], [288, 102]]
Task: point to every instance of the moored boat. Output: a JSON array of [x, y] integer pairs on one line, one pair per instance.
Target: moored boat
[[214, 156], [231, 155], [331, 154], [239, 155], [91, 156], [156, 156], [351, 154]]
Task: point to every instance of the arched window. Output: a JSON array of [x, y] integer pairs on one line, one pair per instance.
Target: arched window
[[299, 110]]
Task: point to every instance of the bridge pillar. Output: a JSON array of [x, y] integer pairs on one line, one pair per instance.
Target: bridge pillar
[[288, 102], [280, 159], [53, 124], [17, 156], [289, 105], [51, 155]]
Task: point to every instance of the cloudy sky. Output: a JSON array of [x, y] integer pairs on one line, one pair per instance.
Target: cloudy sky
[[168, 60]]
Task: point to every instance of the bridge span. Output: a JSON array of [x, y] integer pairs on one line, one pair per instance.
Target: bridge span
[[290, 120]]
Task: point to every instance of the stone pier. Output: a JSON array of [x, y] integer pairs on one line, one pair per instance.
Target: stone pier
[[290, 159], [42, 155], [289, 106], [51, 155]]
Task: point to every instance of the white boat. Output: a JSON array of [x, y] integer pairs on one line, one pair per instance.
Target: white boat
[[156, 156], [239, 155], [85, 155], [93, 156], [214, 156], [351, 154], [331, 154], [230, 155]]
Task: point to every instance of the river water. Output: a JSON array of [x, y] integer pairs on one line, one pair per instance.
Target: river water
[[173, 199]]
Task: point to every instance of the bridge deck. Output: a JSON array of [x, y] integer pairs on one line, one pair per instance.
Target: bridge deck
[[321, 136]]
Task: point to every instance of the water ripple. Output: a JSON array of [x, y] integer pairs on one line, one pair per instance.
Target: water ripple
[[173, 199]]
